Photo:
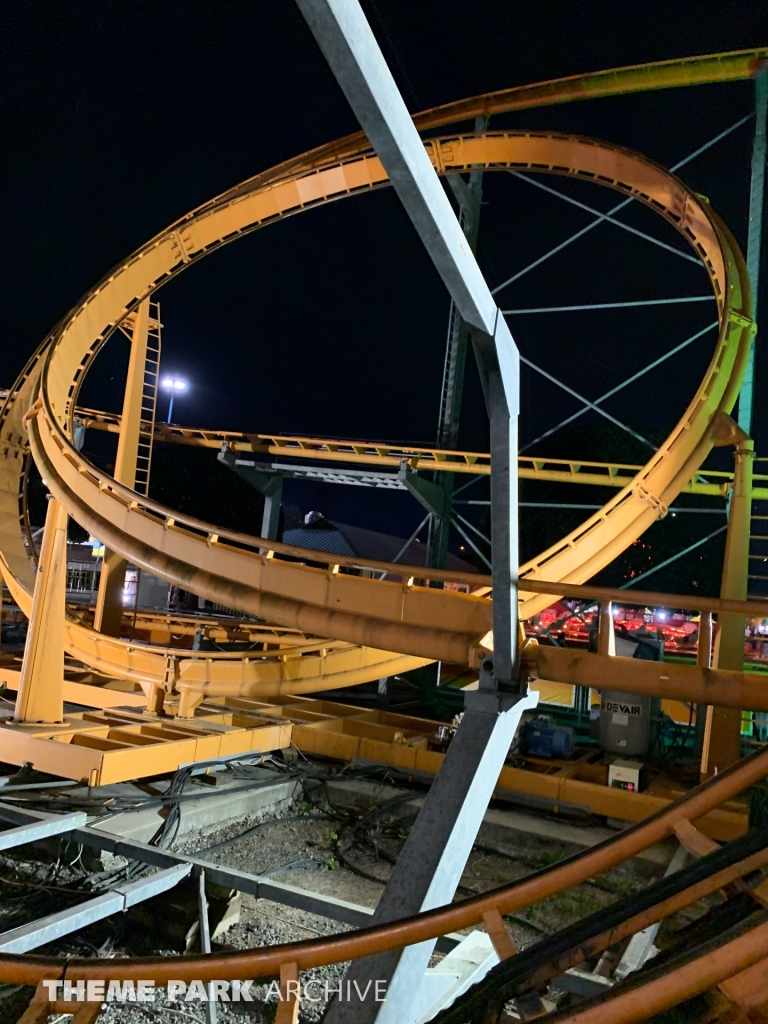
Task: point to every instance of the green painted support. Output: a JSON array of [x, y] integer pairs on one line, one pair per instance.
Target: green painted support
[[754, 237], [469, 196]]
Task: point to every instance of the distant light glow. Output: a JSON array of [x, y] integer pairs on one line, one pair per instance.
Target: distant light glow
[[174, 383], [661, 615], [179, 385], [167, 382]]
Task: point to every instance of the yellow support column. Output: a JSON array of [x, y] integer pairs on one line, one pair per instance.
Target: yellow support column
[[722, 734], [109, 603], [41, 686]]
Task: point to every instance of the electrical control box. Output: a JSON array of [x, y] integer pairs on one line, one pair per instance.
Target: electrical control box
[[629, 775]]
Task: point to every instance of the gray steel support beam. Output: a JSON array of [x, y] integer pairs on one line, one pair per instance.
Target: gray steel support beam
[[433, 859], [755, 235], [624, 384], [607, 217], [349, 46], [205, 943], [469, 197], [273, 496], [609, 305], [641, 944], [259, 886], [586, 402], [50, 825], [230, 878], [325, 474], [673, 558], [267, 482], [54, 926], [430, 866], [615, 209]]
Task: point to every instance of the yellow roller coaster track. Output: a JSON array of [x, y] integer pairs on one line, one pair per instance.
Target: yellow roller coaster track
[[387, 456], [231, 569], [415, 621]]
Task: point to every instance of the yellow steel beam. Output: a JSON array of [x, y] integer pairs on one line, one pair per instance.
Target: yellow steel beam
[[722, 734], [40, 697], [715, 483], [723, 687]]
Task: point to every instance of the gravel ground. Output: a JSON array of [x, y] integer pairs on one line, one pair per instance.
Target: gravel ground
[[303, 852]]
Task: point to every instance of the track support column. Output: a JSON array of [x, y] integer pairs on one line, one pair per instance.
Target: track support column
[[109, 603], [435, 854], [273, 496], [41, 685], [433, 859], [722, 732], [469, 196], [755, 234]]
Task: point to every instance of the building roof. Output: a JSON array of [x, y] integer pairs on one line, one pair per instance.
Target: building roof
[[341, 539]]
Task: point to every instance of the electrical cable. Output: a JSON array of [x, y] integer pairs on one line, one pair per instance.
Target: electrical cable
[[252, 831]]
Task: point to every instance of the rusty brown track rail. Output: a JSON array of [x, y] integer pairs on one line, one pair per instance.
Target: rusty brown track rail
[[265, 963]]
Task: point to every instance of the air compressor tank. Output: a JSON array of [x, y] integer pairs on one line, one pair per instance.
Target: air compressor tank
[[625, 723]]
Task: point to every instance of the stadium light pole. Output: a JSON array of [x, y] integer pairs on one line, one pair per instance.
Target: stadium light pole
[[175, 386]]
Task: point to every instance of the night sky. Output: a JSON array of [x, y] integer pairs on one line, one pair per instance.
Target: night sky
[[119, 117]]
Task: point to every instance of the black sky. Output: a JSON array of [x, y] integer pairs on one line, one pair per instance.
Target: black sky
[[118, 116]]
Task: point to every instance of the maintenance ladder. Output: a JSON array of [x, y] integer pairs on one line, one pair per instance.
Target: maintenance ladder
[[757, 580], [148, 401]]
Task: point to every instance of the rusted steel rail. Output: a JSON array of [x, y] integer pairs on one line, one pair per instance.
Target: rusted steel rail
[[266, 963]]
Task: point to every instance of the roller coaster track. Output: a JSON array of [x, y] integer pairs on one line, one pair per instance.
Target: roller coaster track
[[417, 622], [231, 569], [387, 457], [362, 613]]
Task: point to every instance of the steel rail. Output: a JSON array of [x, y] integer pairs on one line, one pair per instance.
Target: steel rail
[[725, 957], [550, 957], [72, 347], [261, 963], [678, 73]]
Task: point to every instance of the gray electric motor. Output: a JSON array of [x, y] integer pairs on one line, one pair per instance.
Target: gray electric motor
[[625, 723]]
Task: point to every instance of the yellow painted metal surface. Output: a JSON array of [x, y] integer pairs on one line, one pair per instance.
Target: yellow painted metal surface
[[109, 603], [110, 746], [722, 734], [40, 696], [331, 172], [407, 618], [413, 620], [715, 483]]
